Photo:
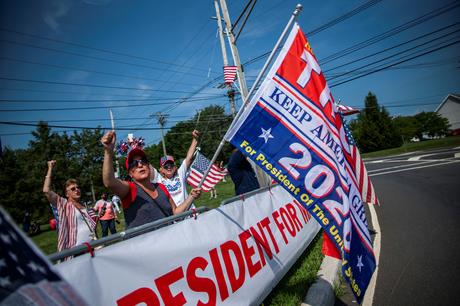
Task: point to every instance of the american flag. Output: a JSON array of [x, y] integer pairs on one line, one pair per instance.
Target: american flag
[[346, 110], [197, 170], [229, 74], [362, 178], [26, 277]]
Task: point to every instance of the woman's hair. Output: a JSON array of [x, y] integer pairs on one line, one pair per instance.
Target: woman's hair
[[69, 182]]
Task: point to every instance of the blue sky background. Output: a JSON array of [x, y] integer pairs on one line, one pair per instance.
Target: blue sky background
[[162, 51]]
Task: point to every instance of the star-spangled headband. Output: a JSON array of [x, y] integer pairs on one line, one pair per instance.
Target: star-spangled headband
[[132, 143]]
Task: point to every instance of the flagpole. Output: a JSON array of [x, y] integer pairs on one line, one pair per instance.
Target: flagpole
[[259, 77], [112, 121]]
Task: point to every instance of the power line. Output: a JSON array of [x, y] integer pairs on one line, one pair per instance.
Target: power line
[[90, 85], [392, 47], [93, 48], [392, 56], [394, 64], [343, 17], [213, 118], [122, 128], [106, 100], [391, 32], [87, 70], [323, 27], [93, 57], [99, 107]]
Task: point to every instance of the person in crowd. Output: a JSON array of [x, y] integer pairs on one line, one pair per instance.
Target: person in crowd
[[116, 202], [26, 222], [107, 215], [242, 174], [142, 200], [77, 224], [221, 165], [175, 179], [213, 193]]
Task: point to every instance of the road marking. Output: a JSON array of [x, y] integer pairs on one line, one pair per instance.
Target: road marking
[[369, 295], [414, 168], [415, 158], [402, 166]]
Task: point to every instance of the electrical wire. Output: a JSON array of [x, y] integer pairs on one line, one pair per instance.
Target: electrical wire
[[93, 48]]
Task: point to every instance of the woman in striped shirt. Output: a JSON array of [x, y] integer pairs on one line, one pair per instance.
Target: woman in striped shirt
[[77, 224]]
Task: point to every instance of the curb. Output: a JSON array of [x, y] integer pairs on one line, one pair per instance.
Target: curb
[[321, 293]]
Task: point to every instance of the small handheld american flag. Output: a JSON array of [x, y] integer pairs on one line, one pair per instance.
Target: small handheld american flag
[[229, 74], [197, 170], [347, 110]]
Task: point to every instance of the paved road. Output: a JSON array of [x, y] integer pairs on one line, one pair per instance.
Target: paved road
[[419, 219]]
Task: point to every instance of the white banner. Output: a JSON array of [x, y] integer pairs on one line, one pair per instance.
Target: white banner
[[230, 255]]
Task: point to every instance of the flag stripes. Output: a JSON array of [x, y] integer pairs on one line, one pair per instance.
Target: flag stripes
[[229, 74], [347, 110], [197, 170], [362, 178]]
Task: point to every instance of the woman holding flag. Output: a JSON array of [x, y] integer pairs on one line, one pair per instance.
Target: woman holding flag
[[142, 200]]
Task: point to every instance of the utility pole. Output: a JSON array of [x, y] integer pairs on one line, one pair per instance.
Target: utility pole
[[230, 91], [162, 122], [263, 178], [236, 57]]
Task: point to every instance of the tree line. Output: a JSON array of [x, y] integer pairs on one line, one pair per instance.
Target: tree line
[[80, 155], [374, 129]]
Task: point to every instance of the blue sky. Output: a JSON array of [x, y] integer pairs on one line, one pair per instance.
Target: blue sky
[[162, 51]]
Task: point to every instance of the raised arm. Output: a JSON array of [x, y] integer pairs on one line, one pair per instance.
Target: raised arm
[[194, 194], [119, 187], [191, 149], [50, 195]]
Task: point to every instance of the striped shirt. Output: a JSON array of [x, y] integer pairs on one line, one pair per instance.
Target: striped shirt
[[67, 235]]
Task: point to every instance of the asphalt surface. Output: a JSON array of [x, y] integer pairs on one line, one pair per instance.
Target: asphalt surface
[[419, 219]]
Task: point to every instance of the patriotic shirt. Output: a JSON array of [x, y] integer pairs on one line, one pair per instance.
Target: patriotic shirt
[[69, 234], [175, 185]]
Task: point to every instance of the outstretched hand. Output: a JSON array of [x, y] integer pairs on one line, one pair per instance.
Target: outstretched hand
[[108, 141], [195, 193], [51, 163], [195, 134]]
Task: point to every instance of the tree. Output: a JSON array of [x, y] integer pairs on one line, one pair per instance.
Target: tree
[[374, 128], [407, 126], [431, 124]]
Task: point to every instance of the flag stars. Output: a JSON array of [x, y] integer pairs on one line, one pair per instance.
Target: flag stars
[[13, 256], [4, 281], [13, 235], [360, 262], [34, 267], [21, 271], [6, 239], [266, 134]]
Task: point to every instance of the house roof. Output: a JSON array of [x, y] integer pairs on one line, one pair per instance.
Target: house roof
[[452, 97]]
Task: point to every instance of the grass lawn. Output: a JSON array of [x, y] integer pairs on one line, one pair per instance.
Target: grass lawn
[[451, 141]]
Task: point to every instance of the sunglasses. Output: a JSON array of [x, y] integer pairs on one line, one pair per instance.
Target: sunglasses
[[74, 188], [168, 166], [137, 162]]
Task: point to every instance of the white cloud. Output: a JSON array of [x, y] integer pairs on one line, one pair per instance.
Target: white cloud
[[54, 12]]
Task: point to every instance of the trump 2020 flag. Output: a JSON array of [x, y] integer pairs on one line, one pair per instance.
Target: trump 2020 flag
[[292, 130], [26, 277], [197, 170]]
